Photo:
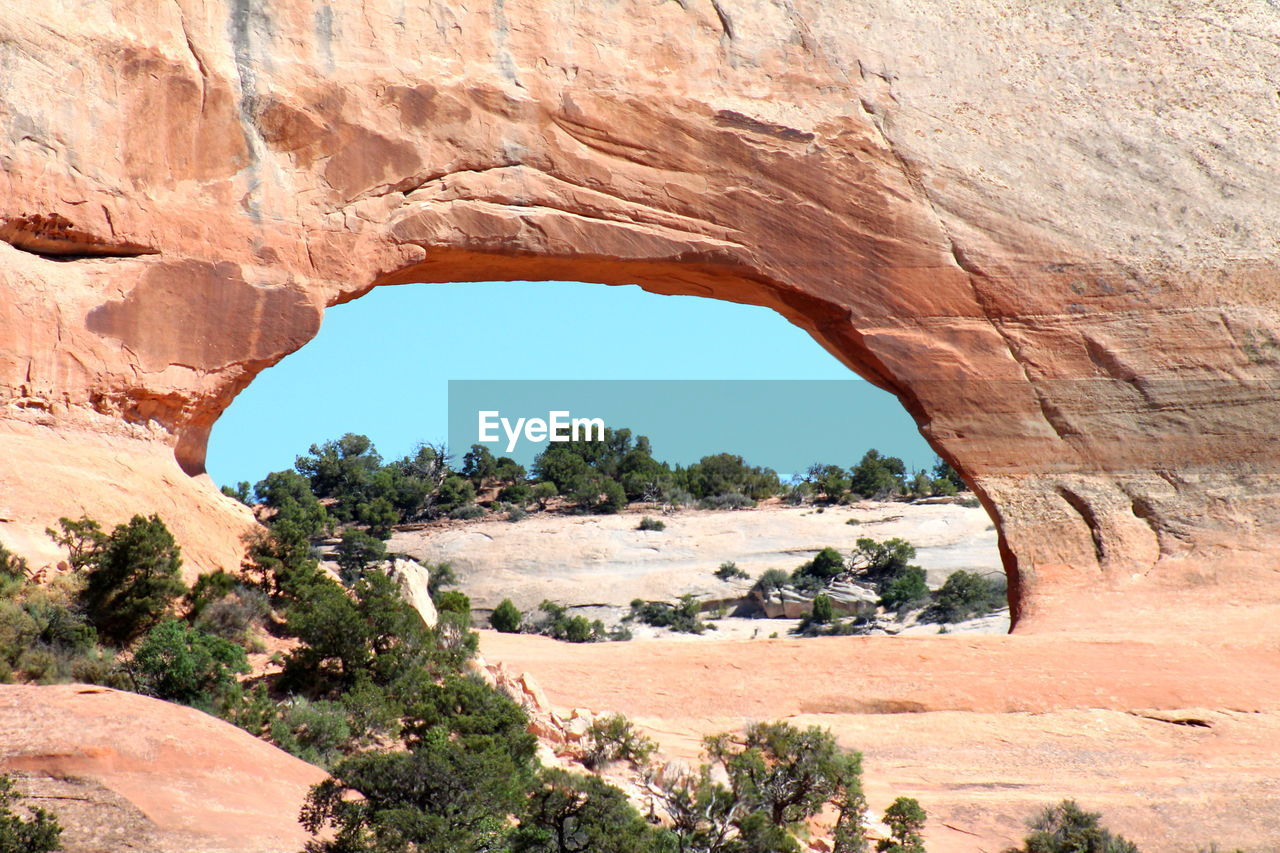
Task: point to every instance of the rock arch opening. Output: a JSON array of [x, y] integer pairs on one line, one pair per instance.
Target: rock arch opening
[[966, 551]]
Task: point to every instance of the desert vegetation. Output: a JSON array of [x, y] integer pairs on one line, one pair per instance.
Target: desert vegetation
[[345, 485], [681, 617], [423, 754], [882, 569], [558, 624], [875, 585], [1067, 828], [38, 832]]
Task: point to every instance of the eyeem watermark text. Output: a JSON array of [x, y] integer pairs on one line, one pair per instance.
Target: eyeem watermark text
[[558, 426]]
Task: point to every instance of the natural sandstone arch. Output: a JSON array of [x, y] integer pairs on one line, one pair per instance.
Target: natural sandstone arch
[[1048, 230]]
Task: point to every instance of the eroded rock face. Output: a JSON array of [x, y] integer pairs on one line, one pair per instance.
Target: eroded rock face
[[1048, 230], [123, 771]]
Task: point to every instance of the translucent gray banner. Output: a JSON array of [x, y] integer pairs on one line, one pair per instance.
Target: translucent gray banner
[[781, 424]]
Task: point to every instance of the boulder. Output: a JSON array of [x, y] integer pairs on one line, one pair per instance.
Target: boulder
[[413, 578], [847, 599], [123, 771]]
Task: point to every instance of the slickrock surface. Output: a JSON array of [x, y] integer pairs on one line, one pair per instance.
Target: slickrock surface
[[983, 731], [577, 560], [1048, 228], [125, 772]]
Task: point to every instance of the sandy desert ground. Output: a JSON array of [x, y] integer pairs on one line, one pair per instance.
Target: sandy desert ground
[[605, 561], [983, 730]]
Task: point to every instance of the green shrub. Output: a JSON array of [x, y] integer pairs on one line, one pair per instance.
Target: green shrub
[[675, 497], [240, 492], [830, 481], [289, 495], [826, 566], [921, 485], [796, 495], [1066, 828], [44, 640], [603, 475], [43, 665], [577, 629], [467, 512], [439, 576], [614, 497], [943, 487], [12, 566], [357, 553], [518, 494], [681, 617], [559, 625], [99, 666], [880, 561], [455, 493], [57, 625], [132, 577], [614, 738], [572, 812], [506, 617], [905, 818], [729, 571], [859, 624], [209, 587], [38, 833], [906, 589], [378, 515], [255, 712], [965, 595], [727, 475], [236, 616], [466, 770], [877, 476], [316, 732], [180, 664], [478, 465], [772, 580], [373, 711], [648, 523], [778, 777], [542, 493], [453, 601], [822, 612], [83, 540], [371, 633], [727, 500], [944, 473]]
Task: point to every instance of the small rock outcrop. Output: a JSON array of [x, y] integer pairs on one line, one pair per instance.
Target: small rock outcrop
[[414, 578], [847, 599], [124, 771]]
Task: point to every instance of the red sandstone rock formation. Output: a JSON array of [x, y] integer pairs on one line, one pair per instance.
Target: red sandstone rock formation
[[1048, 230], [122, 771]]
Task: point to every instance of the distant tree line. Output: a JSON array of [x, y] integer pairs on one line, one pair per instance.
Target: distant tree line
[[346, 483], [880, 477]]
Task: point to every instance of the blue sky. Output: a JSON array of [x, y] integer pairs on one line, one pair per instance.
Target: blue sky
[[381, 366]]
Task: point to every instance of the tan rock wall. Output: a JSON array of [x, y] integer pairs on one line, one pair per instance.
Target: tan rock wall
[[1047, 228]]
